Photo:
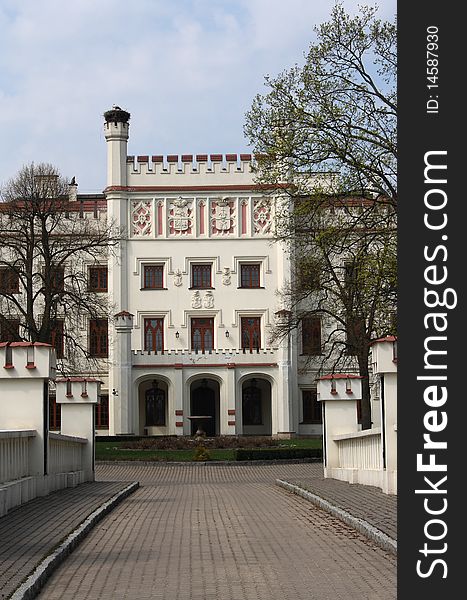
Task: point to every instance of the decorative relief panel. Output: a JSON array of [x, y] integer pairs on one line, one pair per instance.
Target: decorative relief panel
[[196, 300], [178, 278], [226, 276], [222, 217], [141, 218], [208, 301], [181, 216], [262, 216]]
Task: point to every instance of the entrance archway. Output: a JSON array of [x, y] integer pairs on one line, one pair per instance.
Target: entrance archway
[[153, 407], [256, 407], [204, 401]]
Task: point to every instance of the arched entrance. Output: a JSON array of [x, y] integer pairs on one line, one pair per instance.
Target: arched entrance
[[256, 407], [153, 407], [204, 401]]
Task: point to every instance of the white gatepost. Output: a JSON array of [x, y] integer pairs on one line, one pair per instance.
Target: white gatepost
[[78, 397], [384, 365], [339, 394]]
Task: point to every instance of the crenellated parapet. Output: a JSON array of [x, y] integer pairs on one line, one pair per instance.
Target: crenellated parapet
[[191, 170]]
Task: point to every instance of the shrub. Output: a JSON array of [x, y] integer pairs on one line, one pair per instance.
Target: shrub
[[277, 453], [201, 454]]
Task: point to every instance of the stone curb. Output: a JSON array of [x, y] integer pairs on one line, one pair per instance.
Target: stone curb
[[33, 584], [368, 530]]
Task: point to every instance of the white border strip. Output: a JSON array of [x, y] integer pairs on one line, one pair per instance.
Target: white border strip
[[377, 536], [31, 587]]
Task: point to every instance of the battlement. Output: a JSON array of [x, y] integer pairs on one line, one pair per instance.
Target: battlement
[[189, 169]]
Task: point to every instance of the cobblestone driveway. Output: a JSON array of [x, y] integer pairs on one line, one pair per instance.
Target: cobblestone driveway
[[205, 532]]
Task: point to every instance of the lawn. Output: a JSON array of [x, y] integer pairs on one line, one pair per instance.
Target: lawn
[[118, 450]]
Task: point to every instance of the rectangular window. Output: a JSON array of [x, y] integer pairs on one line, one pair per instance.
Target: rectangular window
[[98, 338], [311, 336], [202, 334], [102, 412], [311, 407], [154, 334], [57, 279], [249, 276], [251, 333], [201, 277], [56, 337], [153, 277], [9, 281], [9, 330], [55, 414], [98, 279]]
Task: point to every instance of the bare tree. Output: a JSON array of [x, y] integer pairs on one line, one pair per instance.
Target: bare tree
[[46, 247], [325, 135]]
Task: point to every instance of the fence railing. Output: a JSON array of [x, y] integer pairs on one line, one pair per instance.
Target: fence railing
[[360, 450], [14, 454], [65, 453]]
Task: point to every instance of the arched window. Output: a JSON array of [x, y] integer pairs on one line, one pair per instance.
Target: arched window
[[155, 406]]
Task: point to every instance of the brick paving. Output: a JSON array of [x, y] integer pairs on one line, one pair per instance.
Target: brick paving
[[30, 532], [227, 532]]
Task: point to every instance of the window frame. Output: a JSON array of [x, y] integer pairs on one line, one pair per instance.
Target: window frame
[[250, 265], [311, 416], [99, 288], [102, 413], [251, 346], [99, 352], [161, 322], [312, 347], [203, 329], [195, 266], [6, 276], [160, 270]]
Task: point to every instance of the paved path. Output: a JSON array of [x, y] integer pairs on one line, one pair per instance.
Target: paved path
[[30, 532], [213, 532]]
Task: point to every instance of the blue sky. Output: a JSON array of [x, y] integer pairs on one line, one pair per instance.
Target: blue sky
[[186, 70]]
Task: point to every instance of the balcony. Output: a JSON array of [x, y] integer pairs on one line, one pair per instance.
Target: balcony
[[229, 358]]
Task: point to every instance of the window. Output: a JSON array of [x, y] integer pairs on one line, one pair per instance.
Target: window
[[98, 279], [311, 407], [201, 276], [153, 277], [9, 330], [55, 414], [250, 276], [202, 334], [154, 334], [9, 281], [311, 336], [251, 333], [102, 412], [56, 337], [57, 279], [98, 338]]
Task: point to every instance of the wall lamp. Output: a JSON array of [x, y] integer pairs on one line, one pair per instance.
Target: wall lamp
[[114, 392], [177, 335], [227, 334]]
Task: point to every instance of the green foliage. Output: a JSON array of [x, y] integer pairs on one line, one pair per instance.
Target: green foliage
[[201, 454], [326, 137], [277, 453]]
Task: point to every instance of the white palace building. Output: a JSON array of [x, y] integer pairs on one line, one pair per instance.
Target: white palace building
[[192, 300], [193, 289]]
